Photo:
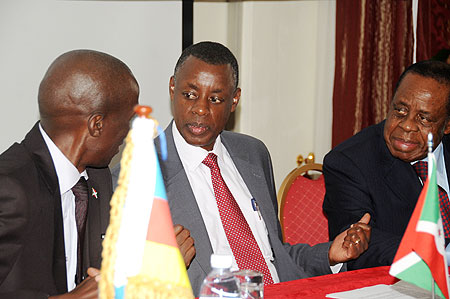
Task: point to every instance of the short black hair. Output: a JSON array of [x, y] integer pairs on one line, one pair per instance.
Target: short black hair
[[434, 69], [211, 53], [441, 55]]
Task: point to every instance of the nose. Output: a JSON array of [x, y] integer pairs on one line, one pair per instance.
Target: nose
[[201, 106], [409, 123]]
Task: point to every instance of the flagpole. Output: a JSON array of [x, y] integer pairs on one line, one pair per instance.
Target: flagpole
[[430, 157], [432, 288]]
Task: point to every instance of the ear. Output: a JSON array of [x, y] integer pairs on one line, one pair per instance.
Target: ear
[[95, 125], [236, 98], [447, 127], [171, 87]]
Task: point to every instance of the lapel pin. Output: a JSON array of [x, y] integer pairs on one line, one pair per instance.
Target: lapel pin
[[94, 193]]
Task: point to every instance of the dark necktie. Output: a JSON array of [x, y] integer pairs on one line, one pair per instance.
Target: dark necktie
[[80, 190], [240, 237], [421, 169]]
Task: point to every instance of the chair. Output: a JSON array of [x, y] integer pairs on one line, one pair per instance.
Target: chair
[[300, 198]]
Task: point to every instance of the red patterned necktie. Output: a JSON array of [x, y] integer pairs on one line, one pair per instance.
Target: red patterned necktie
[[80, 190], [421, 169], [240, 237]]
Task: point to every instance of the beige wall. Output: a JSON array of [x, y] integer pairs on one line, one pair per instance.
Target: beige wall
[[286, 55], [146, 35]]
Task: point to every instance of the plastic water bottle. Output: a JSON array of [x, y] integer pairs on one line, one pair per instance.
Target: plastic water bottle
[[220, 282]]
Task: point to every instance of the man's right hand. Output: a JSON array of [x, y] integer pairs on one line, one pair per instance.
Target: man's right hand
[[87, 289], [185, 243]]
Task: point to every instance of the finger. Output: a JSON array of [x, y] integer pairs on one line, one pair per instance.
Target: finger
[[363, 226], [356, 245], [354, 249], [189, 256], [355, 239], [177, 228], [346, 244], [363, 232], [360, 241], [186, 244], [91, 271], [365, 219]]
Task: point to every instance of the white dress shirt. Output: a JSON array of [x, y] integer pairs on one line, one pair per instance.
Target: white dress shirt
[[68, 176], [199, 176], [441, 172]]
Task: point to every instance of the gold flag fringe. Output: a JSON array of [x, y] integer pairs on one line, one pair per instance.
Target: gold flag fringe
[[143, 287], [139, 286], [109, 254]]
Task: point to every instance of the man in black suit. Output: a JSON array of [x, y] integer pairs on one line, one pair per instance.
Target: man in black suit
[[86, 101], [372, 171]]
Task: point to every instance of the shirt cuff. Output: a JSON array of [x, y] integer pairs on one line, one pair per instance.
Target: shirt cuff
[[336, 268]]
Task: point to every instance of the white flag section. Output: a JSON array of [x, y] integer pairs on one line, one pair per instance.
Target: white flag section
[[138, 203]]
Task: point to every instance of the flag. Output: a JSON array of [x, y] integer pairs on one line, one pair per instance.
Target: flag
[[421, 254], [140, 254]]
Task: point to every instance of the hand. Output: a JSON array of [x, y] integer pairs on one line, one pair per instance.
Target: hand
[[87, 289], [185, 243], [351, 243]]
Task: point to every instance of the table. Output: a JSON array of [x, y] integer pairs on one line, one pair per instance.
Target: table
[[319, 286]]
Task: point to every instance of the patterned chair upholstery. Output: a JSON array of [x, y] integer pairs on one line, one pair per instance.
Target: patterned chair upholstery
[[300, 197]]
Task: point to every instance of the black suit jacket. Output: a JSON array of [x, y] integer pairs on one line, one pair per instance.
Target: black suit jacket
[[362, 176], [32, 255]]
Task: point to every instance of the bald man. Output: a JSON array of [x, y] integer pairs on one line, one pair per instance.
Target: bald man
[[86, 101]]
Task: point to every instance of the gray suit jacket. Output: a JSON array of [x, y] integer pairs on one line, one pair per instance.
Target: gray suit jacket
[[254, 165]]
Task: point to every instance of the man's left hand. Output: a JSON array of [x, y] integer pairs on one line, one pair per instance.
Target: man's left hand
[[351, 243], [185, 243]]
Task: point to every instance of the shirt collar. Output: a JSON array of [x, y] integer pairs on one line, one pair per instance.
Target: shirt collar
[[66, 172], [441, 173], [438, 154], [193, 156]]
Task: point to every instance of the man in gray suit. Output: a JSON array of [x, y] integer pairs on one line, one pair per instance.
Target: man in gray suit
[[204, 91]]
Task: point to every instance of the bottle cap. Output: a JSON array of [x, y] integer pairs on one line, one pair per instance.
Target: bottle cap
[[221, 261]]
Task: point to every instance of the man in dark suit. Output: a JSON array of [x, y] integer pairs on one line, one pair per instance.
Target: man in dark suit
[[203, 92], [373, 172], [86, 101]]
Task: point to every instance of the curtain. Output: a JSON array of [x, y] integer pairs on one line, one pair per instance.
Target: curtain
[[374, 44], [433, 28]]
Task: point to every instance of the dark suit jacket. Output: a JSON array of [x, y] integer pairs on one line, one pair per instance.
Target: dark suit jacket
[[32, 254], [362, 176], [254, 164]]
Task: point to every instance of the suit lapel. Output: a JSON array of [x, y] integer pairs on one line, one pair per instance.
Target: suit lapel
[[183, 205], [35, 144], [99, 190], [254, 178], [399, 175]]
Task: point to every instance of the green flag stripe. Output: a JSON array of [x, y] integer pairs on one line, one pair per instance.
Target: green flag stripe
[[420, 275], [430, 211]]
